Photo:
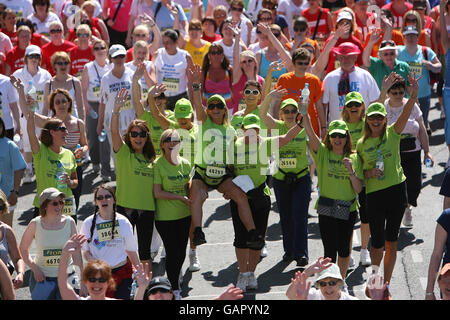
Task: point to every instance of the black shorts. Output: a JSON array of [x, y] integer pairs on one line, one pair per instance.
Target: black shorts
[[260, 205], [385, 209], [212, 183]]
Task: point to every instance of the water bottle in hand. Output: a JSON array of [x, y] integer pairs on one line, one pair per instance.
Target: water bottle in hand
[[428, 163], [78, 157], [305, 99], [60, 176], [102, 136], [380, 163], [33, 94]]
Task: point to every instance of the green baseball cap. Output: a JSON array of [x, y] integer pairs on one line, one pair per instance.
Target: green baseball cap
[[183, 109], [288, 102], [354, 97], [216, 97], [251, 121], [376, 108], [338, 126]]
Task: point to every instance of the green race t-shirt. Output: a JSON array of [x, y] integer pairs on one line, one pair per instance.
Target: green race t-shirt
[[292, 156], [252, 159], [356, 130], [155, 128], [334, 179], [236, 121], [46, 165], [172, 179], [390, 150], [134, 176], [187, 150]]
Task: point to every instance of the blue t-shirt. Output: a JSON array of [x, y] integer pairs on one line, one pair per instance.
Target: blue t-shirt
[[445, 187], [10, 160], [447, 71], [415, 64], [164, 19], [444, 221]]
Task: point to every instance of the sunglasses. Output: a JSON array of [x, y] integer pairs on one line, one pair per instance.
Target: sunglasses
[[135, 134], [62, 129], [353, 105], [100, 280], [56, 31], [62, 63], [247, 61], [100, 198], [2, 207], [253, 92], [99, 48], [120, 56], [41, 4], [292, 111], [411, 20], [57, 203], [329, 283], [276, 34], [83, 35], [220, 106], [299, 63], [376, 117], [237, 9], [195, 29], [397, 93], [142, 35], [299, 29], [169, 139], [34, 56], [338, 135], [387, 54], [215, 53]]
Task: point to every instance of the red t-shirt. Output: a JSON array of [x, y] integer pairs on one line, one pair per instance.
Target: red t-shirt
[[398, 16], [333, 63], [364, 29], [14, 58], [49, 49], [216, 37], [78, 58], [36, 39], [312, 21]]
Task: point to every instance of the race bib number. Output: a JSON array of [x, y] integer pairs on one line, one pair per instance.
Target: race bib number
[[104, 231], [241, 105], [171, 84], [40, 96], [69, 207], [416, 67], [127, 104], [51, 257], [288, 163], [96, 91], [215, 172]]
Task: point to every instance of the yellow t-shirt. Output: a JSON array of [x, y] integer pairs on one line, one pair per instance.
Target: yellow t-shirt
[[197, 54]]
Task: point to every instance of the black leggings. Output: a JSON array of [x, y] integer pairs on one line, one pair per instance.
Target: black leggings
[[77, 191], [143, 221], [175, 235], [336, 235], [412, 168]]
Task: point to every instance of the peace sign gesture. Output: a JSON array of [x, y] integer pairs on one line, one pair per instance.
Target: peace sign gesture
[[414, 83]]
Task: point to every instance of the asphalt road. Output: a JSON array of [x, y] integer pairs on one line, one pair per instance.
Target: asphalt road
[[218, 260]]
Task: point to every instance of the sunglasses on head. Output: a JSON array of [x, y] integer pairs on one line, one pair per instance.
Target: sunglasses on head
[[56, 203], [62, 63], [292, 111], [169, 139], [329, 283], [94, 280], [253, 92], [107, 197], [135, 134], [219, 105], [338, 135], [353, 105]]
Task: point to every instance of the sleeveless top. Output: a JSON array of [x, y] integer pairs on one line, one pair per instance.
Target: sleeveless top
[[4, 253], [72, 94], [49, 244], [265, 66], [73, 138], [228, 50], [171, 71], [95, 73], [222, 87]]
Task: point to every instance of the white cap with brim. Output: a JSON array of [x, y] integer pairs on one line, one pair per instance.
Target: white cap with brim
[[410, 30], [32, 49], [117, 50], [343, 14], [332, 272]]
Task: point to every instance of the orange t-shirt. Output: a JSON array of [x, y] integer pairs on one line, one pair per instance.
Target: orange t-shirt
[[396, 36], [294, 85]]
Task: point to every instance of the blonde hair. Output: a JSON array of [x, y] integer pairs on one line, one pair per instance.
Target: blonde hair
[[59, 55], [4, 199], [141, 27], [87, 4], [418, 23], [140, 44], [55, 23], [249, 54], [84, 27]]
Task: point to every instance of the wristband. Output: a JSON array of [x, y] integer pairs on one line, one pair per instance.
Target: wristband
[[196, 86], [429, 293], [115, 113], [300, 123]]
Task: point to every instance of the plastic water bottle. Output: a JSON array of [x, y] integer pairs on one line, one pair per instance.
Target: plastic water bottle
[[93, 114], [16, 138], [59, 176], [133, 286], [305, 94], [380, 163], [102, 136], [33, 94], [78, 158], [428, 163]]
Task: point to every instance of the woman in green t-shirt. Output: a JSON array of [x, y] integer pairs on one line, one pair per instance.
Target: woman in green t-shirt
[[292, 181], [340, 179], [251, 161], [211, 167], [353, 114], [173, 214], [379, 149], [134, 171]]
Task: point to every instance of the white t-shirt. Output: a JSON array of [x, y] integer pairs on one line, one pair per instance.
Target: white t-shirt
[[291, 11], [171, 70], [8, 95], [42, 27], [22, 7], [360, 81], [95, 74], [109, 87], [5, 43], [228, 50], [412, 126], [144, 86], [315, 294], [102, 246]]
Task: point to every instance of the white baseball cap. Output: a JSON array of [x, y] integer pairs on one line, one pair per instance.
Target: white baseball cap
[[32, 49], [344, 14], [117, 50]]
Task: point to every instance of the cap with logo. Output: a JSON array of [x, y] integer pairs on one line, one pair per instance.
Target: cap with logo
[[50, 194], [337, 126], [117, 50], [251, 121], [410, 30], [183, 109], [216, 97], [387, 45], [343, 14], [159, 283], [288, 102], [376, 108], [353, 97]]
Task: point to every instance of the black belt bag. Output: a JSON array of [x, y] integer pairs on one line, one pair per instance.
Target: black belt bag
[[291, 178], [407, 144], [339, 209]]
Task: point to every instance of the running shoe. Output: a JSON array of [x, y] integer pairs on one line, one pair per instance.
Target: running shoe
[[252, 283], [365, 258], [407, 218], [194, 263], [242, 281]]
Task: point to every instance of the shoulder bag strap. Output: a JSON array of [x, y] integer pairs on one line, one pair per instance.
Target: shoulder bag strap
[[317, 24]]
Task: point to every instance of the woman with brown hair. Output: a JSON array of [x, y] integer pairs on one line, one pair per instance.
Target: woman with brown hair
[[110, 238], [135, 154]]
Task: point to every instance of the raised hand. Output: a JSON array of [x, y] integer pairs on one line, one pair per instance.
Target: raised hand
[[414, 83], [276, 65], [143, 276], [301, 285], [318, 266], [388, 81], [157, 90], [278, 93], [231, 293], [121, 98], [375, 36], [74, 244], [16, 83], [146, 19], [140, 70], [195, 73], [265, 29], [343, 29]]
